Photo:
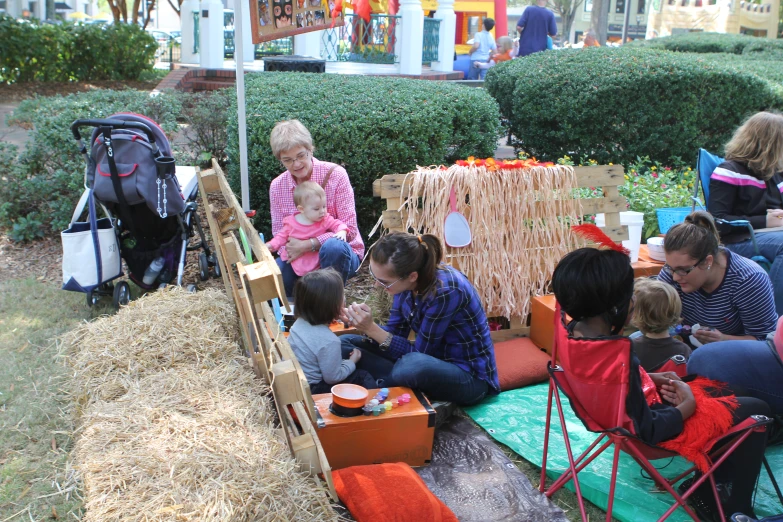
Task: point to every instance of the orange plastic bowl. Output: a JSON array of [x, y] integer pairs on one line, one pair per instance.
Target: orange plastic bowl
[[349, 395]]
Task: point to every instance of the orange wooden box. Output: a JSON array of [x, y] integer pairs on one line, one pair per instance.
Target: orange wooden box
[[542, 321], [403, 434]]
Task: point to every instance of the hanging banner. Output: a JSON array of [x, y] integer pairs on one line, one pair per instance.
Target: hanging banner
[[273, 19]]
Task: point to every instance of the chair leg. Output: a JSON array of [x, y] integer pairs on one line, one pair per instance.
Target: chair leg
[[772, 479], [571, 463], [542, 485], [717, 497], [581, 463], [613, 483]]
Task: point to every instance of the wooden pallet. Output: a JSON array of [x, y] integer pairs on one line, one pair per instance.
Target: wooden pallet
[[250, 286], [395, 189]]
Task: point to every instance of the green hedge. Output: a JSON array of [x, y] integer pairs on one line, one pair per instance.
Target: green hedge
[[712, 43], [373, 126], [619, 104], [72, 52], [40, 186]]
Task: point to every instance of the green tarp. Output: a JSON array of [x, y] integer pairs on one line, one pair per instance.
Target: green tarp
[[517, 419]]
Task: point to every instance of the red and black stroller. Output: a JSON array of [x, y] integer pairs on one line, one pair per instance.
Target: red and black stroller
[[150, 204]]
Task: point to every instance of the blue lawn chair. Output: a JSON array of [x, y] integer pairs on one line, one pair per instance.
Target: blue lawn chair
[[706, 163]]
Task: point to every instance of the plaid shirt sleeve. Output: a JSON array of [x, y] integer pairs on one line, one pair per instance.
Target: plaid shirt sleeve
[[279, 203], [436, 321]]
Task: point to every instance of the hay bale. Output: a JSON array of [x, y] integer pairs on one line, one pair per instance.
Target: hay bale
[[173, 424], [183, 445], [160, 331]]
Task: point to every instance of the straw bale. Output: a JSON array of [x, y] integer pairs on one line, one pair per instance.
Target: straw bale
[[192, 445], [173, 424], [160, 331]]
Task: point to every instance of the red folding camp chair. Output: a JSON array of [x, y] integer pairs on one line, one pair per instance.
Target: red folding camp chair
[[594, 375], [676, 363]]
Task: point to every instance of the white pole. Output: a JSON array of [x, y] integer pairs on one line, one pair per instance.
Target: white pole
[[242, 122]]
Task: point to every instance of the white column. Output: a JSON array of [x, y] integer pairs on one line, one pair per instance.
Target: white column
[[248, 48], [211, 34], [308, 44], [447, 36], [412, 36], [186, 20]]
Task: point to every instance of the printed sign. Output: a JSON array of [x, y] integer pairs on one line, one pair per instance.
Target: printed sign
[[273, 19]]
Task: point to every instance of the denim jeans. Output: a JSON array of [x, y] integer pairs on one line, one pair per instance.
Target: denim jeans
[[771, 247], [334, 253], [474, 73], [437, 379], [751, 365]]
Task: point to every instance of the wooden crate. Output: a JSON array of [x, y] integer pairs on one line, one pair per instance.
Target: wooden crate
[[251, 286], [395, 189]]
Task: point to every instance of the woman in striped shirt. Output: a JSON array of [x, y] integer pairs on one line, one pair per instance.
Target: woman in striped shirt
[[749, 186], [727, 295]]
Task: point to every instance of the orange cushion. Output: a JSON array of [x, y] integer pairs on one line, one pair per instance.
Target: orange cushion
[[520, 363], [388, 493]]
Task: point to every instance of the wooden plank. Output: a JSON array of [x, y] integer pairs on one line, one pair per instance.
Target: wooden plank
[[210, 182], [392, 219], [599, 205], [286, 384], [306, 453], [215, 233], [594, 176], [258, 247], [376, 188], [233, 254], [262, 281]]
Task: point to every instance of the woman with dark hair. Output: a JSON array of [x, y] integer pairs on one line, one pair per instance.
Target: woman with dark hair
[[452, 358], [595, 288], [728, 296], [748, 186]]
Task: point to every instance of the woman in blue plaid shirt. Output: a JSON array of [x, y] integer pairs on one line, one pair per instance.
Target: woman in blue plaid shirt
[[452, 358]]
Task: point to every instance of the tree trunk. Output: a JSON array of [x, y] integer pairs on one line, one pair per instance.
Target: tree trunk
[[50, 9], [177, 7], [599, 20]]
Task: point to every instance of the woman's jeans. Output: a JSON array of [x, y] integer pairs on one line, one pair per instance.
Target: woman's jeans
[[771, 247], [437, 379], [333, 253], [750, 365]]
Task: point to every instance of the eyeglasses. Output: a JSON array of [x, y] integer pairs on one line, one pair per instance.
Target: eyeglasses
[[301, 157], [383, 284], [682, 272]]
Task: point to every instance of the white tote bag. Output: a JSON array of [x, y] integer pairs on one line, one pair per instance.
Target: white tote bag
[[91, 252]]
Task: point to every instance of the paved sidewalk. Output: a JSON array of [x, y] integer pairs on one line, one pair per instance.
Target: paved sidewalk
[[14, 135]]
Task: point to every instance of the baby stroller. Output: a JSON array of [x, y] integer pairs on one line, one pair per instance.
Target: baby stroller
[[149, 203]]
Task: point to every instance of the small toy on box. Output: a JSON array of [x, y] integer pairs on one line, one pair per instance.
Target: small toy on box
[[396, 425]]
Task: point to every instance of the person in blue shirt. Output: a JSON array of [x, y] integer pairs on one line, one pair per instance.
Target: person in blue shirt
[[536, 23], [483, 45], [452, 358]]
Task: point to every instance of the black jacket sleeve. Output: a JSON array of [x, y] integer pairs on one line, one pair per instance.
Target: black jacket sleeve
[[723, 205], [653, 424]]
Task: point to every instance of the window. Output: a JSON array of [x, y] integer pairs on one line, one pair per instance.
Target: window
[[619, 6], [640, 7], [588, 6]]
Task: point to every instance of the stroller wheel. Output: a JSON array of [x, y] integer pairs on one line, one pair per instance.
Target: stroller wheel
[[121, 296], [203, 266], [192, 288], [215, 265], [92, 298]]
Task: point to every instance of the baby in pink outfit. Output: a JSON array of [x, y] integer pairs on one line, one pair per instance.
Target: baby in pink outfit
[[311, 220]]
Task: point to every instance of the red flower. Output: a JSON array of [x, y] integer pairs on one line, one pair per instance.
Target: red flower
[[655, 174], [663, 185]]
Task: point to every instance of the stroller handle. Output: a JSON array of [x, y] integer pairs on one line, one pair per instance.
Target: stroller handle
[[114, 124]]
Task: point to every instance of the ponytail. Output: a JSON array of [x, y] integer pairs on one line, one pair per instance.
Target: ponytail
[[409, 253], [697, 236]]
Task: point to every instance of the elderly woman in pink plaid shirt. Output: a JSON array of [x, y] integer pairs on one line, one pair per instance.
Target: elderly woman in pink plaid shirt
[[292, 144]]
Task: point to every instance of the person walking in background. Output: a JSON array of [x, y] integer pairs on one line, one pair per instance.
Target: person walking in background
[[483, 45], [536, 23]]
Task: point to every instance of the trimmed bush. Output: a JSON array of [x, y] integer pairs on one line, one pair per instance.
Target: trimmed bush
[[373, 126], [34, 51], [44, 183], [712, 43], [620, 104]]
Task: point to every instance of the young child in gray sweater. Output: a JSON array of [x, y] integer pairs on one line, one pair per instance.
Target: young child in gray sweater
[[319, 300], [657, 307]]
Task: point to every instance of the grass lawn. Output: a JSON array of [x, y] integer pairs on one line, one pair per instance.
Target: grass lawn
[[35, 429]]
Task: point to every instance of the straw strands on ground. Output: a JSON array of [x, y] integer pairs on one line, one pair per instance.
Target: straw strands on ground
[[190, 437], [520, 221]]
